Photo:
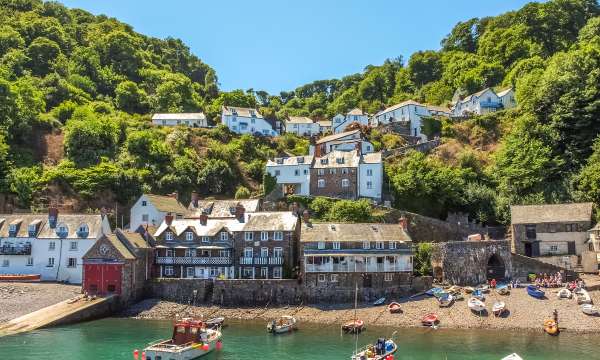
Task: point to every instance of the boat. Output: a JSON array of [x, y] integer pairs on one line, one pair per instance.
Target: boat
[[476, 305], [394, 308], [353, 326], [564, 294], [430, 319], [433, 291], [499, 308], [458, 296], [583, 297], [589, 309], [513, 356], [551, 327], [454, 289], [379, 351], [191, 339], [20, 277], [483, 288], [282, 325], [215, 322], [379, 302], [478, 294], [445, 300], [502, 289], [468, 289], [533, 291]]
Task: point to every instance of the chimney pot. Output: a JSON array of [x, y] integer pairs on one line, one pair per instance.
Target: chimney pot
[[239, 212], [169, 219], [52, 216], [403, 223], [194, 198], [203, 218]]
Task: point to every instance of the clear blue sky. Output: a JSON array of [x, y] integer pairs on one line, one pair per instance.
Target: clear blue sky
[[278, 45]]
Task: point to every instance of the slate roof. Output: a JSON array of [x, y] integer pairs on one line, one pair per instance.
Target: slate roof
[[398, 106], [350, 159], [179, 116], [347, 232], [337, 136], [293, 160], [71, 221], [244, 112], [121, 248], [299, 120], [503, 92], [467, 98], [222, 208], [535, 214], [166, 203], [356, 111]]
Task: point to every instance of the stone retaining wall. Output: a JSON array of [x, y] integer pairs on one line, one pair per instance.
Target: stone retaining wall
[[523, 265]]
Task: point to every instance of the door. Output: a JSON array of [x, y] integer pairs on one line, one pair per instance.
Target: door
[[535, 249], [528, 251], [199, 272], [571, 247]]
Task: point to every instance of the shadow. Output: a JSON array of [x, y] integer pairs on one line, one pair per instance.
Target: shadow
[[505, 314], [483, 313]]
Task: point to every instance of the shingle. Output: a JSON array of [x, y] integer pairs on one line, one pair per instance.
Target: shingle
[[166, 203], [349, 232]]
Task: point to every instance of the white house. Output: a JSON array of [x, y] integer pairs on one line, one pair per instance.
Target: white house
[[151, 209], [50, 245], [435, 110], [408, 112], [246, 121], [370, 176], [340, 122], [197, 120], [507, 98], [293, 173], [324, 126], [346, 141], [302, 126], [483, 102]]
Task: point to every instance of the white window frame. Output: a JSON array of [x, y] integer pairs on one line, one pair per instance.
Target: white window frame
[[333, 278], [393, 245], [190, 252], [170, 253], [169, 271], [264, 235], [388, 277], [51, 246], [264, 252], [277, 272], [248, 251], [369, 172], [278, 252], [321, 172], [278, 236], [187, 272], [264, 272], [69, 265], [337, 245], [369, 184], [379, 245], [50, 262], [206, 239], [322, 278], [73, 246], [224, 236], [321, 183], [189, 236], [321, 245], [169, 236], [345, 183], [366, 245], [248, 236], [29, 261]]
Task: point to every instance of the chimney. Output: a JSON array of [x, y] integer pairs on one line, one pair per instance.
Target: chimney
[[194, 199], [357, 147], [306, 217], [52, 216], [403, 223], [203, 218], [295, 209], [239, 212], [169, 219]]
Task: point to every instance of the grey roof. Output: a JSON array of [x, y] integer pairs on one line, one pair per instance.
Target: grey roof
[[398, 106], [356, 111], [337, 136], [299, 120], [479, 93], [244, 112], [166, 203], [71, 221], [504, 92], [349, 159], [293, 160], [271, 221], [222, 208], [533, 214], [315, 232], [179, 116], [22, 221]]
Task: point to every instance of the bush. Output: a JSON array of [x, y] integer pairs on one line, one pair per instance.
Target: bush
[[350, 211], [269, 183], [255, 169], [216, 176], [242, 193], [422, 265], [320, 207]]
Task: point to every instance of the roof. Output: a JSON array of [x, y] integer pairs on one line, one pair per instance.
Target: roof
[[438, 108], [350, 159], [324, 123], [337, 136], [70, 221], [292, 160], [299, 120], [179, 116], [222, 208], [372, 158], [271, 221], [398, 106], [241, 111], [121, 248], [134, 239], [314, 232], [22, 221], [504, 92], [479, 93], [356, 111], [166, 203], [532, 214]]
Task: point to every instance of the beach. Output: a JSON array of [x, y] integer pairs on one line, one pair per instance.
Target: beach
[[524, 313]]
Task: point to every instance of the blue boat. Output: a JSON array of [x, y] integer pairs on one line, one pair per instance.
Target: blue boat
[[478, 294], [502, 289], [434, 291], [533, 291]]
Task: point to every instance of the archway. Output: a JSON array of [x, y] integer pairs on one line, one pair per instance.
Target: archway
[[495, 268]]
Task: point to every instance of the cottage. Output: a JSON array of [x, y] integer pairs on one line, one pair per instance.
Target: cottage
[[196, 120], [247, 121], [302, 126], [151, 209], [408, 113], [292, 173], [507, 98], [340, 122], [346, 141], [324, 126], [483, 102]]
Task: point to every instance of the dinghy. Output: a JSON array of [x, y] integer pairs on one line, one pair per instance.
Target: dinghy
[[498, 308], [381, 350], [454, 289], [468, 289], [379, 302], [513, 356], [583, 297], [564, 294], [282, 325], [354, 326], [433, 291], [215, 322], [502, 289], [589, 309], [483, 288], [458, 296], [477, 294], [476, 305], [533, 291], [430, 319], [445, 299], [551, 327], [394, 308]]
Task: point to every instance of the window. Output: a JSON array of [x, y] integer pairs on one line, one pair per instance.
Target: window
[[344, 171], [248, 236], [321, 172], [83, 229], [224, 236], [321, 183], [31, 230], [339, 160], [264, 236], [530, 232], [553, 248], [334, 278], [392, 245], [379, 245], [169, 236], [336, 245], [224, 253], [205, 239], [369, 172], [12, 228], [332, 171], [322, 278], [552, 228], [571, 227], [277, 172], [345, 183], [324, 161], [277, 272], [305, 172], [50, 262], [189, 236], [388, 276], [5, 263], [264, 272], [264, 252], [190, 252], [62, 229], [368, 147], [72, 262], [145, 217], [369, 184], [190, 272], [296, 172], [73, 246], [278, 252], [366, 245], [170, 253], [278, 235], [248, 252], [51, 246], [321, 245], [29, 261], [169, 271]]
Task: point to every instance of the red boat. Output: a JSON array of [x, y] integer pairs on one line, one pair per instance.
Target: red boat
[[430, 319], [354, 326], [20, 277], [394, 308]]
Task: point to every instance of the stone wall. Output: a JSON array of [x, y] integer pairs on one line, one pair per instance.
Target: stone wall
[[523, 265], [333, 182]]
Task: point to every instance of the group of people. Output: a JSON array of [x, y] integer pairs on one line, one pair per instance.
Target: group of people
[[549, 281], [576, 284]]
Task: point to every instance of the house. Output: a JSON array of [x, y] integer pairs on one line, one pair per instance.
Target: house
[[340, 122], [324, 126], [51, 245], [507, 98], [554, 233], [197, 120], [292, 173], [220, 209], [347, 255], [435, 110], [347, 175], [346, 141], [483, 102], [246, 121], [408, 113], [302, 126], [151, 209], [118, 264]]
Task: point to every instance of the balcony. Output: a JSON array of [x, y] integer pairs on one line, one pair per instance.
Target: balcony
[[490, 104], [15, 250], [358, 267], [183, 260], [261, 261]]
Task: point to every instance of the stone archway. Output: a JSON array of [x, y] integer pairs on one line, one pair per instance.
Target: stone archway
[[495, 268]]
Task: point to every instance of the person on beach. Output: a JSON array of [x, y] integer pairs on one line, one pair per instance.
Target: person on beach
[[493, 283]]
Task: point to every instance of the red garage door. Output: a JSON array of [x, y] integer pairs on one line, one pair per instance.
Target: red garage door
[[102, 279]]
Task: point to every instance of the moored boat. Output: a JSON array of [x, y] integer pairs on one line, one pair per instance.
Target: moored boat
[[191, 339], [476, 305], [379, 302], [445, 299], [20, 277], [282, 325], [502, 289], [551, 327], [478, 294], [433, 291], [533, 291], [468, 289], [499, 308], [583, 297], [378, 351], [215, 322], [353, 326], [513, 356], [483, 288], [394, 308], [430, 319], [589, 309], [564, 294]]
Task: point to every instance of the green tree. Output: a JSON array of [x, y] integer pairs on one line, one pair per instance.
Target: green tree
[[242, 193], [25, 182], [422, 260], [130, 98], [424, 67], [42, 52], [350, 211], [216, 176], [9, 39]]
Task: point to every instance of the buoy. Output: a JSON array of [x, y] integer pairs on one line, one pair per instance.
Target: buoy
[[219, 345], [136, 354], [205, 347]]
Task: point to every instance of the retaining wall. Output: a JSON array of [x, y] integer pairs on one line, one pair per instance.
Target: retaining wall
[[523, 265]]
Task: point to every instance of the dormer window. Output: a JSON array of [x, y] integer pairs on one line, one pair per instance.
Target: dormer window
[[31, 229], [83, 230], [233, 112], [224, 236], [169, 236], [189, 236], [323, 161], [300, 159], [279, 160], [12, 229], [62, 230], [339, 160], [252, 113]]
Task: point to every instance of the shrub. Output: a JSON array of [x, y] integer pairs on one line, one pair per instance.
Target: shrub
[[350, 211], [422, 265], [269, 183], [242, 193]]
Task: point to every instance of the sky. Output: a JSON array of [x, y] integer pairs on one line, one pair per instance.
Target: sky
[[278, 45]]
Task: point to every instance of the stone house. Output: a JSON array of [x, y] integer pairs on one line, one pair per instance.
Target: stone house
[[151, 209], [346, 255]]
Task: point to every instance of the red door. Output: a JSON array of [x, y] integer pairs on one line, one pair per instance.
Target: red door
[[102, 279]]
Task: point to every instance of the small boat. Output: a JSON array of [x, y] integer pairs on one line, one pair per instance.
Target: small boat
[[454, 289], [583, 297], [20, 277], [282, 325], [215, 322], [458, 296], [476, 305], [379, 302], [589, 309], [433, 291], [502, 289], [445, 300], [378, 351], [430, 319], [513, 356], [191, 339], [468, 289], [533, 291], [499, 308], [394, 308], [478, 294], [484, 288], [564, 294], [354, 326], [551, 327]]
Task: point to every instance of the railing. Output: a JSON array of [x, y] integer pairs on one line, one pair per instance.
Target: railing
[[490, 104], [358, 267], [187, 260], [15, 250], [261, 261]]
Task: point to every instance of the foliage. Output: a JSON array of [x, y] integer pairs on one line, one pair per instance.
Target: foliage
[[422, 259], [269, 183], [350, 211], [431, 126], [216, 176], [242, 193]]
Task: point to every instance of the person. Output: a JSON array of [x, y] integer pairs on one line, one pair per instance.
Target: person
[[493, 283]]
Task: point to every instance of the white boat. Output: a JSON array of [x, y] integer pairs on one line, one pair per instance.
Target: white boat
[[513, 356], [583, 297], [282, 325], [484, 288], [564, 294], [446, 300], [191, 339], [502, 289], [476, 304], [589, 309], [498, 308], [378, 351]]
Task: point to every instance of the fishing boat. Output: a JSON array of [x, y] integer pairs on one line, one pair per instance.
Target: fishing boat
[[589, 309], [215, 322], [533, 291], [354, 326], [513, 356], [379, 302], [282, 325], [476, 305], [499, 308], [191, 339], [551, 327], [445, 300], [564, 294], [430, 319], [379, 351], [433, 291], [394, 308], [502, 289], [583, 297], [468, 289], [478, 294]]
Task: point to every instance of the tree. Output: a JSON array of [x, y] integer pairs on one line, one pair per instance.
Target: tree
[[5, 164], [10, 39], [350, 211], [425, 66], [216, 176], [463, 37], [423, 259], [242, 193], [130, 98], [25, 182], [42, 52]]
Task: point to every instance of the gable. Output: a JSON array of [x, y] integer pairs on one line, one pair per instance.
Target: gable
[[106, 250]]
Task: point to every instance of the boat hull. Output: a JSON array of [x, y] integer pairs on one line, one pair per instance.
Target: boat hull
[[190, 352], [534, 292]]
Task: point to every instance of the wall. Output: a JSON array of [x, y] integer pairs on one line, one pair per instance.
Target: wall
[[333, 183], [376, 180], [287, 175], [523, 265], [137, 210], [259, 125]]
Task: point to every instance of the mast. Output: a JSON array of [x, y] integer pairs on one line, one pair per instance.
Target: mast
[[355, 306]]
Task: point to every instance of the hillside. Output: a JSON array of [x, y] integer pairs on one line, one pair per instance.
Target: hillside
[[76, 91]]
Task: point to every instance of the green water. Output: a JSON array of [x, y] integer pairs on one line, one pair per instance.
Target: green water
[[112, 339]]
